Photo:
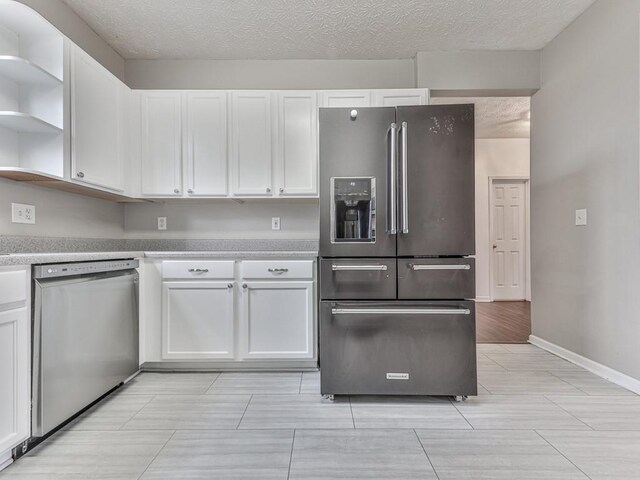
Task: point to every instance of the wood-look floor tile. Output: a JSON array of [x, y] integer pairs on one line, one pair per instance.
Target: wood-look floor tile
[[111, 413], [358, 454], [224, 454], [296, 411], [495, 454], [517, 412], [601, 455], [603, 412], [310, 383], [526, 383], [256, 383], [520, 362], [169, 383], [406, 412], [590, 383], [190, 412]]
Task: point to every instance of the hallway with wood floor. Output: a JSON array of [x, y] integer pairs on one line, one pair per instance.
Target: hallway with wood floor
[[503, 322]]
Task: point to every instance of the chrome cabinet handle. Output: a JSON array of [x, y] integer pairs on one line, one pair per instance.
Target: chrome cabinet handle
[[80, 174], [405, 182], [392, 223], [244, 285], [198, 270], [281, 190], [400, 311], [268, 190], [175, 190], [277, 270], [356, 268], [190, 190], [229, 285], [440, 267]]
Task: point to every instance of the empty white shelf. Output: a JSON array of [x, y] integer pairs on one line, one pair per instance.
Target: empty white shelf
[[26, 73], [25, 123]]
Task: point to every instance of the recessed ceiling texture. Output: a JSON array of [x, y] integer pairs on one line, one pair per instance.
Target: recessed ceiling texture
[[322, 29]]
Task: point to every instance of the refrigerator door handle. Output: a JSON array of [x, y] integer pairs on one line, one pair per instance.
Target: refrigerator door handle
[[354, 268], [392, 165], [400, 311], [404, 218], [440, 267]]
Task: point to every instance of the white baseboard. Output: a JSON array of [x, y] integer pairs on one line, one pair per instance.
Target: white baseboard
[[5, 459], [483, 299], [603, 371]]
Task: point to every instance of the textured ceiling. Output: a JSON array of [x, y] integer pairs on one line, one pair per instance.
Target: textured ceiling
[[314, 29], [497, 117]]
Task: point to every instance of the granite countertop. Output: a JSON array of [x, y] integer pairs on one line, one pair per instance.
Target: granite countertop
[[235, 254]]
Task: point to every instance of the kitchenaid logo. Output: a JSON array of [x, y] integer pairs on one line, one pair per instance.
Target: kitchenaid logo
[[397, 376]]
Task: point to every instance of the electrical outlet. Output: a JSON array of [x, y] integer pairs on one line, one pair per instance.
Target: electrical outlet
[[581, 216], [21, 213], [275, 223], [162, 223]]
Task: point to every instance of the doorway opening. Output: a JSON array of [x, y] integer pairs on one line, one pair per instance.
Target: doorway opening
[[503, 308]]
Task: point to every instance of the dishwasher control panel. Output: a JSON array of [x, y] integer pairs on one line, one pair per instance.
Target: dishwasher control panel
[[82, 268]]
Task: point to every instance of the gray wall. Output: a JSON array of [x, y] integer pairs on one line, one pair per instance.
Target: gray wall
[[584, 154], [223, 219], [60, 214], [69, 23], [270, 74]]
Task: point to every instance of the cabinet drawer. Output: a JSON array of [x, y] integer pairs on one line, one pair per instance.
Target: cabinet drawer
[[198, 269], [13, 286], [357, 279], [436, 278], [270, 269]]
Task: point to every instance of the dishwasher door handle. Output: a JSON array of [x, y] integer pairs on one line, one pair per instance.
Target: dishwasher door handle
[[400, 311], [416, 267]]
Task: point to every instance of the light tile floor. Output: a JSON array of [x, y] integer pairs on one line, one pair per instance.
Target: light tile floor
[[536, 417]]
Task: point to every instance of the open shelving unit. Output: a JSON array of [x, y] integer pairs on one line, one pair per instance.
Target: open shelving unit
[[31, 91]]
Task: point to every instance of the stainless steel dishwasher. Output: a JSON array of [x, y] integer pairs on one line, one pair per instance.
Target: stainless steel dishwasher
[[85, 336]]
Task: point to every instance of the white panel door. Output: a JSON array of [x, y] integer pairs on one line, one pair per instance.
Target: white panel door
[[346, 98], [508, 235], [297, 165], [15, 377], [197, 320], [397, 98], [251, 142], [277, 320], [206, 130], [161, 144], [97, 102]]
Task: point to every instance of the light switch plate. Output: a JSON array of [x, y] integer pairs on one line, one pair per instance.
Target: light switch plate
[[581, 216], [162, 223], [22, 213], [275, 223]]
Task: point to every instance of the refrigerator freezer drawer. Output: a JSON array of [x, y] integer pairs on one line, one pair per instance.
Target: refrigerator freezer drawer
[[398, 348], [356, 279], [436, 278]]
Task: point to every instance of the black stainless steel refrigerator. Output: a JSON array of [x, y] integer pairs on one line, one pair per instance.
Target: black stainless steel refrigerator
[[396, 231]]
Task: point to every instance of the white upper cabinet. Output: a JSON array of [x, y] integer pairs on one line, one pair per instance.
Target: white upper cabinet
[[97, 123], [397, 98], [206, 135], [161, 144], [346, 98], [297, 158], [251, 142]]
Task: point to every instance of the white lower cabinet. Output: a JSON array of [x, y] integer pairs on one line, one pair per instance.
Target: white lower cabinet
[[277, 320], [15, 363], [197, 320]]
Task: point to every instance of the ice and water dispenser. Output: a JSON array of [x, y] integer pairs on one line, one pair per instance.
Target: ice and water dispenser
[[353, 210]]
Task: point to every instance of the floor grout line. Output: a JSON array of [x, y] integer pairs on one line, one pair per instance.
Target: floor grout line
[[245, 411], [425, 452], [301, 376], [293, 440], [567, 458], [156, 455], [353, 419], [568, 412], [461, 414]]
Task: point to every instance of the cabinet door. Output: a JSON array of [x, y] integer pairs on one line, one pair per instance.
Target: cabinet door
[[15, 376], [161, 144], [297, 166], [206, 163], [270, 333], [346, 98], [97, 102], [397, 98], [251, 143], [197, 320]]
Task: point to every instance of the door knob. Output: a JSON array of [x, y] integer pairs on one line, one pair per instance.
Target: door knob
[[495, 246]]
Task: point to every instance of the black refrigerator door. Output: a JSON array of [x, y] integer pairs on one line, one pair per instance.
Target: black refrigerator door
[[355, 172], [436, 211]]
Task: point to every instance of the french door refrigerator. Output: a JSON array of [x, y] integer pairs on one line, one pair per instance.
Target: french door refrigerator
[[396, 231]]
